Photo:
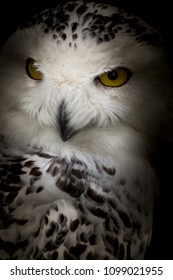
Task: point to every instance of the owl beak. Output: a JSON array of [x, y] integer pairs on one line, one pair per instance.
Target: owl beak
[[65, 130]]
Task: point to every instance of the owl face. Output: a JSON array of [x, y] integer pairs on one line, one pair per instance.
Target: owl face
[[83, 73]]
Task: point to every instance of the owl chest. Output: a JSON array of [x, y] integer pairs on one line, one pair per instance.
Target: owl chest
[[33, 181]]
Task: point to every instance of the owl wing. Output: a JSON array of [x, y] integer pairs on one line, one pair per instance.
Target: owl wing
[[55, 208]]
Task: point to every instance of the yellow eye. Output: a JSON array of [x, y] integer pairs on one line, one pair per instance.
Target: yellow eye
[[32, 70], [115, 78]]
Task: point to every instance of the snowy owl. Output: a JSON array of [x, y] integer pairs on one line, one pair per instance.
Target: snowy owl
[[85, 93]]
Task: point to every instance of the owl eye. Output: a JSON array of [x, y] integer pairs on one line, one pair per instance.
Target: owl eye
[[32, 70], [115, 78]]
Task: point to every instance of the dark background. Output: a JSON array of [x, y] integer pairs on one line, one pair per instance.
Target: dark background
[[160, 15]]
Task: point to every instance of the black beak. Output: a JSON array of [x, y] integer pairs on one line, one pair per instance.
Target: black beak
[[63, 121]]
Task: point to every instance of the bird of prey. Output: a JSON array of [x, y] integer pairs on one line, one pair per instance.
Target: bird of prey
[[85, 93]]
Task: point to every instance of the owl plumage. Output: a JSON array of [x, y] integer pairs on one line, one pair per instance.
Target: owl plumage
[[85, 97]]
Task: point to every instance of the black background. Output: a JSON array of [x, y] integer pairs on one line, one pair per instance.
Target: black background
[[160, 15]]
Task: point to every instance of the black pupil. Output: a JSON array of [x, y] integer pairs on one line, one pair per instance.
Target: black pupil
[[112, 75]]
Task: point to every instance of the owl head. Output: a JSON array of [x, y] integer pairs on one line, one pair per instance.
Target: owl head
[[84, 75]]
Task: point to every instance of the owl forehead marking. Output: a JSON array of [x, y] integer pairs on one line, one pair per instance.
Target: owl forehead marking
[[91, 20]]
